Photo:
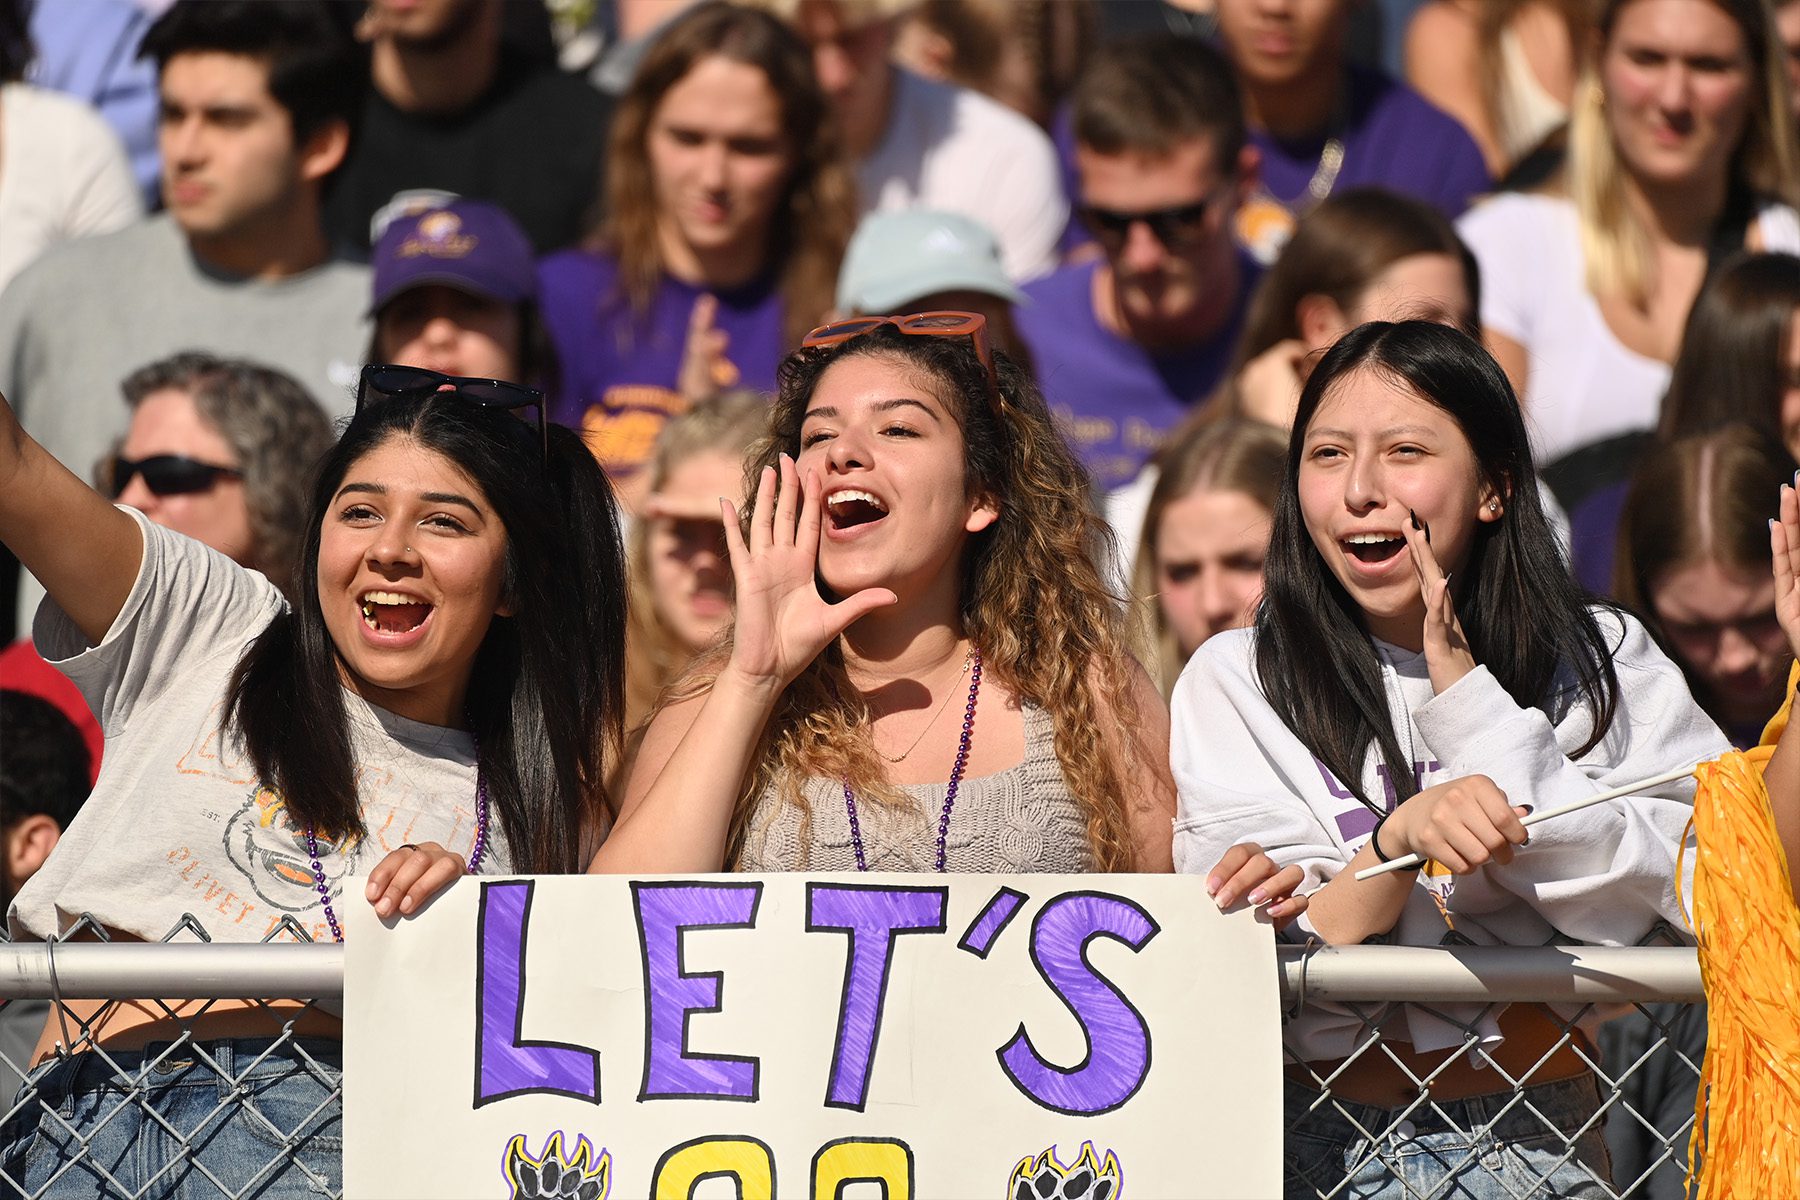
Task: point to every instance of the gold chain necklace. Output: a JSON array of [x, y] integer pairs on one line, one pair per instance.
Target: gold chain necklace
[[949, 694]]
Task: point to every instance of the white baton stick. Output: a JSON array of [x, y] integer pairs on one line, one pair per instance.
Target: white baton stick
[[1407, 861]]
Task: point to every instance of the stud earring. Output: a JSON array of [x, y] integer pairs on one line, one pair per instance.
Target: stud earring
[[1493, 506]]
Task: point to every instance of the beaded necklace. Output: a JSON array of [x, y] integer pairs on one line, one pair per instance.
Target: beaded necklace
[[475, 855], [956, 774]]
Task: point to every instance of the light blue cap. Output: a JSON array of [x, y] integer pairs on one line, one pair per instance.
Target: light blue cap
[[900, 257]]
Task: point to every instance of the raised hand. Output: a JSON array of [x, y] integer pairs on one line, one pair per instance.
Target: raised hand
[[1447, 654], [705, 369], [1462, 825], [1784, 548], [1269, 385], [782, 620]]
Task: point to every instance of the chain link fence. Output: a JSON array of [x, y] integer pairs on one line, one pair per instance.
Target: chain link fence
[[135, 1145]]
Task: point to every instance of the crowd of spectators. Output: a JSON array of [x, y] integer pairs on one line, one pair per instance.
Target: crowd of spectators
[[215, 213]]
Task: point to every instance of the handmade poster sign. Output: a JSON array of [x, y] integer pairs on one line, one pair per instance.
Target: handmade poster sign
[[894, 1036]]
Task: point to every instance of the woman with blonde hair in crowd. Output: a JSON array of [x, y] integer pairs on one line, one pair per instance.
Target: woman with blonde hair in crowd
[[680, 575], [1681, 153], [1200, 560], [927, 670], [728, 209]]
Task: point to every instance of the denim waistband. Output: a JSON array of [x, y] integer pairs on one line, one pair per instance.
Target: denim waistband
[[1565, 1105], [183, 1062]]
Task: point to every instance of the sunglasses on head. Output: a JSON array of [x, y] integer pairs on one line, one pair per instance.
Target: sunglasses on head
[[169, 474], [943, 323], [1174, 227], [381, 383]]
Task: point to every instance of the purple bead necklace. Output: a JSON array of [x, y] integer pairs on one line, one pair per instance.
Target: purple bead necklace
[[956, 774], [475, 855]]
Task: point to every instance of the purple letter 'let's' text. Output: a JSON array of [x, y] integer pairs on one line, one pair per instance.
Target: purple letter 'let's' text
[[1118, 1040], [873, 917], [505, 1063], [665, 912]]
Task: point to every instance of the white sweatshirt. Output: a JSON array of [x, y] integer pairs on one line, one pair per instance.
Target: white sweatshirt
[[1604, 875]]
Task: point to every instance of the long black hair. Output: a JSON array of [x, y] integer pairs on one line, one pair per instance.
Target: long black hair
[[1526, 619], [547, 689]]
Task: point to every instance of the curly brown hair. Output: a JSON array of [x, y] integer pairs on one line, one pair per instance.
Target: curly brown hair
[[815, 219], [1031, 598]]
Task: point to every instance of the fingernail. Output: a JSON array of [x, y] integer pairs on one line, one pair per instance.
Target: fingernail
[[1771, 522], [1212, 885], [1414, 517], [1259, 897], [1427, 525], [406, 904]]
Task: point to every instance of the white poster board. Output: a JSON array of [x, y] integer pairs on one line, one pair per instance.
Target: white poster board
[[842, 1037]]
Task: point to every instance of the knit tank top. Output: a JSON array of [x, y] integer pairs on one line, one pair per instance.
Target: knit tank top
[[1022, 819]]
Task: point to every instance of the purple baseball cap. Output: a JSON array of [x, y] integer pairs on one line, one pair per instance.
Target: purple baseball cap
[[467, 244]]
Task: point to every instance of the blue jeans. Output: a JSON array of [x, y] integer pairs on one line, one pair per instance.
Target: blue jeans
[[1546, 1142], [163, 1124]]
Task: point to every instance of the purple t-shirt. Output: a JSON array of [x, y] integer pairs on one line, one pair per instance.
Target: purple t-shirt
[[1114, 399], [620, 368], [1393, 138]]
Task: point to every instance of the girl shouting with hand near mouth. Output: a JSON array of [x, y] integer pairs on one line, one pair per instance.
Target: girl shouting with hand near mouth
[[926, 671], [1421, 674]]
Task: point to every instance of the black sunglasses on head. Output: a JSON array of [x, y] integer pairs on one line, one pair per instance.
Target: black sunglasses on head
[[1173, 227], [169, 474], [381, 383]]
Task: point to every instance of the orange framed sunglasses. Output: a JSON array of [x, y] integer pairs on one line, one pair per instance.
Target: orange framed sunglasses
[[941, 323]]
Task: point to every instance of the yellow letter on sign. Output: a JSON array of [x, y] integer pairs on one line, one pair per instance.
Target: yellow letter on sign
[[743, 1159], [863, 1160]]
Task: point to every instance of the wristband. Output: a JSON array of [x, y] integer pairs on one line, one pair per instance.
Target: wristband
[[1375, 841]]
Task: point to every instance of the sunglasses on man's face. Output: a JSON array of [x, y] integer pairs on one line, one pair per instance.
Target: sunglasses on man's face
[[1175, 228], [169, 474], [381, 383]]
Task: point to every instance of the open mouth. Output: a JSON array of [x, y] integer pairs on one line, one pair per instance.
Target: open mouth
[[1373, 547], [393, 612], [850, 508]]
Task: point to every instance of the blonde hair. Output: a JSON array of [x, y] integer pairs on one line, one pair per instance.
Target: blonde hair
[[1233, 454], [1614, 243], [814, 221], [654, 656], [1031, 598]]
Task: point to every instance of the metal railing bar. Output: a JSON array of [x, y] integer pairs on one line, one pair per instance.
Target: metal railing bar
[[1491, 974], [1402, 974], [121, 970]]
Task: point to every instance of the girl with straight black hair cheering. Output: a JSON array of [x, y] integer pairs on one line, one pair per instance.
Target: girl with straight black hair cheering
[[436, 701], [1423, 673]]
